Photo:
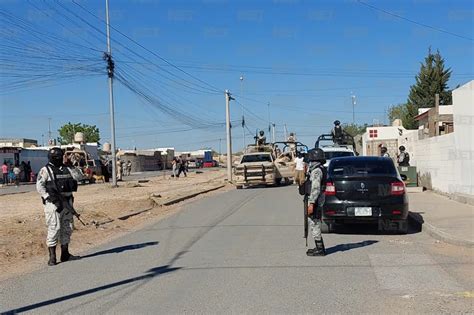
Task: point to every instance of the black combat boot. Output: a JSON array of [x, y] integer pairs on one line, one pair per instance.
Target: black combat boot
[[65, 255], [52, 256], [321, 248]]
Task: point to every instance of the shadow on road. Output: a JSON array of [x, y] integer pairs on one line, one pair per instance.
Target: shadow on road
[[152, 273], [349, 246], [120, 249]]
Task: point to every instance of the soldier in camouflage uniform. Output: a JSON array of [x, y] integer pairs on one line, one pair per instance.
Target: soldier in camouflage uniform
[[317, 176]]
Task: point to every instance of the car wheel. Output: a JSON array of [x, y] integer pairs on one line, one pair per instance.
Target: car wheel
[[239, 186], [403, 227], [278, 181]]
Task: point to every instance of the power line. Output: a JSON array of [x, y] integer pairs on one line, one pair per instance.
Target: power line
[[216, 89], [413, 21]]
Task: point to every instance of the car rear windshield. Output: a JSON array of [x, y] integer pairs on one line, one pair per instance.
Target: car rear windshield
[[362, 167], [256, 158], [335, 154]]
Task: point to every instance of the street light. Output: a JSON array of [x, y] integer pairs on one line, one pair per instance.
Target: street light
[[243, 119]]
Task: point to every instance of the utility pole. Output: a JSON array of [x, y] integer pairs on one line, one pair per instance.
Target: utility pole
[[436, 127], [269, 121], [286, 132], [243, 114], [228, 132], [353, 97], [220, 140], [49, 131], [110, 72], [273, 133]]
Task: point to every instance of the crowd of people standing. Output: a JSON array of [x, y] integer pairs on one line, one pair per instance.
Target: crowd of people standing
[[16, 173]]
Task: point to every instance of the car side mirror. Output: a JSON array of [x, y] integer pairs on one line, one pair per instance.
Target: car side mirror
[[404, 177]]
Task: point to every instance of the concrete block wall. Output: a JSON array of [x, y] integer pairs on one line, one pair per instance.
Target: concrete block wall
[[446, 163], [432, 158]]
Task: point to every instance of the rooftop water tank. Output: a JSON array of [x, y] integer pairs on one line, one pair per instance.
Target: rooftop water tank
[[107, 147], [79, 137]]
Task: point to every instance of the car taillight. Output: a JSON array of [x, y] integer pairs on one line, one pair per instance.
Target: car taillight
[[398, 188], [396, 212], [330, 212], [330, 189]]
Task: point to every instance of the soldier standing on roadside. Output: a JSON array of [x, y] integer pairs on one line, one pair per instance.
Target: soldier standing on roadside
[[317, 176], [403, 158], [383, 152], [56, 182]]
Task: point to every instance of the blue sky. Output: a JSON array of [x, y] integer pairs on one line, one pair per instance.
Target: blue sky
[[304, 58]]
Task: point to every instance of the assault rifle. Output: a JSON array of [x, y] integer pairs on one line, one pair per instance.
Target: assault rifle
[[70, 207], [56, 196], [305, 190]]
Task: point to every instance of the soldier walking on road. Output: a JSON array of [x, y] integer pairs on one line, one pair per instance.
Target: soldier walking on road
[[317, 176], [56, 183]]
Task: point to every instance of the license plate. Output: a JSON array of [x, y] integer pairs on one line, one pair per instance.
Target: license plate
[[363, 211]]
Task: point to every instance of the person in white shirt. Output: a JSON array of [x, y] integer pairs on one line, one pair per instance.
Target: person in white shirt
[[300, 169]]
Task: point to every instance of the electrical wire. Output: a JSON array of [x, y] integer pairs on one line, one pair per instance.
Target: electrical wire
[[413, 21]]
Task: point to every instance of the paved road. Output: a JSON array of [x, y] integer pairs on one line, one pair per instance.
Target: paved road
[[242, 252]]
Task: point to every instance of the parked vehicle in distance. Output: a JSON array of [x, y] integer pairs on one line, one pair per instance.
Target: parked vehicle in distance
[[255, 168], [331, 152], [365, 190], [212, 163]]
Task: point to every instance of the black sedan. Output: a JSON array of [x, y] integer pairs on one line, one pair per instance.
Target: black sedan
[[365, 190]]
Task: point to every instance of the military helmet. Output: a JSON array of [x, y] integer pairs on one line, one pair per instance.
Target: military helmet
[[402, 148], [316, 155], [262, 133], [55, 156], [337, 122], [383, 149]]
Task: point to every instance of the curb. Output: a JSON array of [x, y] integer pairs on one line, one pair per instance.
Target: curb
[[185, 197], [162, 204], [437, 233]]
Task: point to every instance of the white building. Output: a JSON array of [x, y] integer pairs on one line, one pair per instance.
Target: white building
[[376, 137]]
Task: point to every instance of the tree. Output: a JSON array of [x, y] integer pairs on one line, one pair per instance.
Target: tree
[[67, 132], [433, 78], [355, 129], [405, 112]]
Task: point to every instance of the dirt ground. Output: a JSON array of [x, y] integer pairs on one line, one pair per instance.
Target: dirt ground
[[22, 225]]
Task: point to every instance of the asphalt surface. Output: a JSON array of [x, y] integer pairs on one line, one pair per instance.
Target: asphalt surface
[[243, 252]]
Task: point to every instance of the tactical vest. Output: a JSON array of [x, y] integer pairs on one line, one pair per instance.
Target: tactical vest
[[65, 183], [405, 160], [338, 131], [306, 187]]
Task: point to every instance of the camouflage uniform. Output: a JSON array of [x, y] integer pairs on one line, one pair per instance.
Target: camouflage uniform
[[316, 197], [60, 224]]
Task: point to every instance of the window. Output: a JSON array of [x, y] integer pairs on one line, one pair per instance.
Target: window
[[256, 158], [373, 133], [334, 154], [362, 167]]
